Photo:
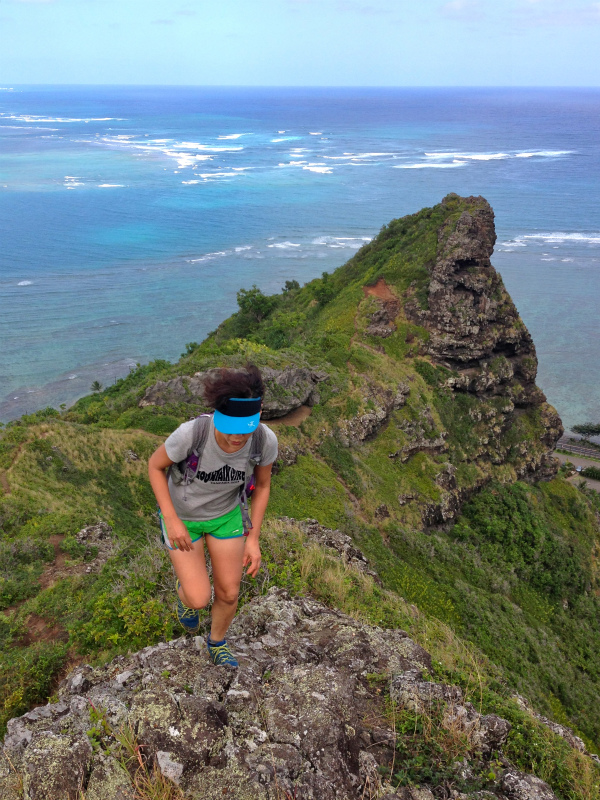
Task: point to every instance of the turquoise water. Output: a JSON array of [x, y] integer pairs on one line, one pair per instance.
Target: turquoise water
[[130, 216]]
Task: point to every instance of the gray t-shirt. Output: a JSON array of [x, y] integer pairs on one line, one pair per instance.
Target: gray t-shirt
[[215, 490]]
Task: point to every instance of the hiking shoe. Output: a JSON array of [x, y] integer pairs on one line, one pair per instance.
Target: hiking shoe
[[220, 654], [189, 618]]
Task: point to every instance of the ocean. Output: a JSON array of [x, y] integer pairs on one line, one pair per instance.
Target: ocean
[[130, 216]]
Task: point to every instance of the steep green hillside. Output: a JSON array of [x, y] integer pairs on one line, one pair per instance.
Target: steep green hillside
[[424, 437]]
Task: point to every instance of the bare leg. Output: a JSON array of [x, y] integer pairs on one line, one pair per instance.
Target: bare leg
[[190, 568], [226, 556]]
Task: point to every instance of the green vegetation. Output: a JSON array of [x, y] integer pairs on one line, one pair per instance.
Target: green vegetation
[[427, 751], [506, 597], [591, 472], [587, 429]]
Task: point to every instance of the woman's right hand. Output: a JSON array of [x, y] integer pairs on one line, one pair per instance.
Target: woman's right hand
[[178, 534]]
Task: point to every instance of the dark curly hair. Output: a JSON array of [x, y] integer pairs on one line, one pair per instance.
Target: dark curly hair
[[222, 384]]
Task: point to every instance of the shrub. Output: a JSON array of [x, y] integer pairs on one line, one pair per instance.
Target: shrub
[[587, 429], [591, 472], [256, 304]]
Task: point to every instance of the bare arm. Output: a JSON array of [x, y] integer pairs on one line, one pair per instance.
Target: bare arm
[[260, 499], [176, 530]]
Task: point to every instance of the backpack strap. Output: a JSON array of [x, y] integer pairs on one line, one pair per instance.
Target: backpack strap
[[257, 444], [201, 429], [185, 471]]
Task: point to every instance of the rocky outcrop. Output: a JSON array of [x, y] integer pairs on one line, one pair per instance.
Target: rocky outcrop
[[336, 541], [563, 731], [182, 389], [470, 316], [475, 330], [289, 389], [303, 717], [474, 327], [98, 542], [486, 733], [422, 437], [286, 390], [382, 402]]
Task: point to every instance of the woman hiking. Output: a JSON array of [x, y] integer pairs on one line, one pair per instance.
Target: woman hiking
[[205, 504]]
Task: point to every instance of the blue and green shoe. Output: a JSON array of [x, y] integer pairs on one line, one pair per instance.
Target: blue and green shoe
[[189, 618], [220, 654]]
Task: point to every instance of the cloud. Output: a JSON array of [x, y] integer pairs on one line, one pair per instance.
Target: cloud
[[352, 6], [163, 22], [524, 13], [553, 12], [360, 8], [467, 10]]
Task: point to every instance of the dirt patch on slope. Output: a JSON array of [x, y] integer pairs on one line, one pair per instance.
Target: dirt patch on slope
[[382, 321], [40, 630], [380, 290], [56, 569]]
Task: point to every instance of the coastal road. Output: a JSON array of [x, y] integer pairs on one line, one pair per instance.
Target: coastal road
[[580, 461], [577, 447]]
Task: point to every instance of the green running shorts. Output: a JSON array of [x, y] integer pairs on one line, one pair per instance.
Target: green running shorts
[[229, 526]]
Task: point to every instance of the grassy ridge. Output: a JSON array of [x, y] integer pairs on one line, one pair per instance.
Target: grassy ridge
[[513, 581]]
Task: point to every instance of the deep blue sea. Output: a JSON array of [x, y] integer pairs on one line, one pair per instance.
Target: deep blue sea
[[130, 216]]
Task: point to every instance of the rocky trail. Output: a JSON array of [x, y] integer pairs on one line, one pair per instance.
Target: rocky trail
[[307, 715]]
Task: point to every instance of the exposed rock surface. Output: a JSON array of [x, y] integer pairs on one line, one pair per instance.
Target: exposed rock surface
[[475, 332], [286, 390], [337, 541], [98, 541], [290, 388], [300, 718], [517, 786], [560, 730], [470, 316], [486, 733], [383, 402]]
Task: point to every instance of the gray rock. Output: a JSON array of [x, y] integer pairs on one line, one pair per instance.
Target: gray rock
[[122, 678], [492, 733], [474, 327], [182, 389], [410, 691], [11, 783], [285, 390], [560, 730], [336, 541], [170, 769], [109, 781], [486, 734], [300, 716], [289, 389], [382, 401], [518, 786], [54, 766], [295, 715]]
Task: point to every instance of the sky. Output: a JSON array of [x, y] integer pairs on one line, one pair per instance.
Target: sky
[[301, 42]]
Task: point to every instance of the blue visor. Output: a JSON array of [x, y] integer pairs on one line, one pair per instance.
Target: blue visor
[[242, 415]]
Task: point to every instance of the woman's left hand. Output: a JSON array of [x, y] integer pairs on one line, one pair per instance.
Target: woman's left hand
[[252, 556]]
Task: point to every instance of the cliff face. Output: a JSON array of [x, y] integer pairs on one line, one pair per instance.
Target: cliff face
[[474, 326]]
